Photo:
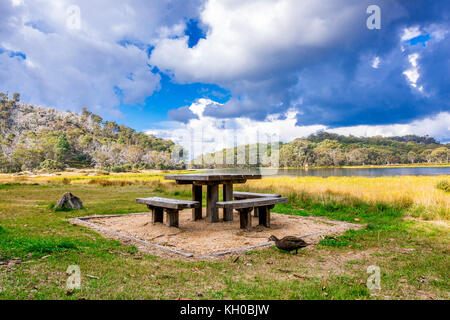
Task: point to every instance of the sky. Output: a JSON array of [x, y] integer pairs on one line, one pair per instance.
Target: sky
[[229, 69]]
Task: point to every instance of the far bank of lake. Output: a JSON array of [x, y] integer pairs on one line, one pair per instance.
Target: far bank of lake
[[344, 172]]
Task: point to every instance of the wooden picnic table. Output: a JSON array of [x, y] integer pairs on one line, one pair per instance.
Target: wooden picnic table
[[212, 182]]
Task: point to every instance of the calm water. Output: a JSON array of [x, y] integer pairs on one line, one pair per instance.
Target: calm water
[[341, 172]]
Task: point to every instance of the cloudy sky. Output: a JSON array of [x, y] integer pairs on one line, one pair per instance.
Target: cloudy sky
[[293, 67]]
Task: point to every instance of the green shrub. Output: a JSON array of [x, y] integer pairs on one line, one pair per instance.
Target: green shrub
[[66, 181], [443, 185], [51, 165]]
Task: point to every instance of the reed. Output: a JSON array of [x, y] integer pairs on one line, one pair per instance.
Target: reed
[[416, 194]]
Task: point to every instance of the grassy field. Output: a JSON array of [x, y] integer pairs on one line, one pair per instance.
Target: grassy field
[[406, 235]]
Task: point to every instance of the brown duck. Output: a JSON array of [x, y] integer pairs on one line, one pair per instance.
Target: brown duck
[[289, 243]]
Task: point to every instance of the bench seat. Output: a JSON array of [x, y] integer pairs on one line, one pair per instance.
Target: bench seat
[[263, 205], [251, 195], [172, 208]]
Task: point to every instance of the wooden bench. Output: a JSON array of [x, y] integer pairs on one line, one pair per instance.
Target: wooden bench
[[171, 206], [251, 195], [245, 207]]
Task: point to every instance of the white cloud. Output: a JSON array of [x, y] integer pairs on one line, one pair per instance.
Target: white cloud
[[215, 134], [410, 33], [248, 38], [70, 68], [412, 74], [437, 126], [376, 62]]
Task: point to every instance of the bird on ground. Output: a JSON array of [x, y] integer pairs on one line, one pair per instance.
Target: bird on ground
[[289, 243]]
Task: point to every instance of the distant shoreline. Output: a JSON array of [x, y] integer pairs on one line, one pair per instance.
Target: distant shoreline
[[415, 165], [384, 166]]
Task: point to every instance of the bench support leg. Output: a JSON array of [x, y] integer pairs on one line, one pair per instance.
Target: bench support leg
[[228, 196], [172, 218], [245, 218], [212, 196], [264, 216], [197, 196], [157, 214], [256, 212]]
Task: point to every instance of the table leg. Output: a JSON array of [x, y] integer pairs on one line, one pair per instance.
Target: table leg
[[197, 196], [228, 196], [172, 218], [212, 196], [157, 214], [264, 216]]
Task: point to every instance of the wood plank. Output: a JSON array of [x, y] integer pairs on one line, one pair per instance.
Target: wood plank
[[264, 216], [227, 196], [197, 196], [250, 203], [172, 218], [157, 214], [212, 177], [245, 219], [168, 203], [212, 196], [210, 183], [252, 195], [256, 211]]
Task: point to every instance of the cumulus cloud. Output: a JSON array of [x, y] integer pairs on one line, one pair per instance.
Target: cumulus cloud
[[99, 65]]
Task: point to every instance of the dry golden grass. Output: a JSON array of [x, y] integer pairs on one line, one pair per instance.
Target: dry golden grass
[[417, 193]]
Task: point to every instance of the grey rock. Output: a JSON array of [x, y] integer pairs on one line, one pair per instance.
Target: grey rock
[[69, 201]]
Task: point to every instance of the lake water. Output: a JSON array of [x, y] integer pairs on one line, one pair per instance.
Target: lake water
[[342, 172]]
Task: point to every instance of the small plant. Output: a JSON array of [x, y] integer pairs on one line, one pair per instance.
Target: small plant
[[331, 241], [443, 185]]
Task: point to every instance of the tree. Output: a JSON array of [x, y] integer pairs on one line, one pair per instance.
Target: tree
[[133, 155], [412, 156], [440, 155], [62, 148]]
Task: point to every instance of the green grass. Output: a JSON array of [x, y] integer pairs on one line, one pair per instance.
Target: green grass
[[412, 255]]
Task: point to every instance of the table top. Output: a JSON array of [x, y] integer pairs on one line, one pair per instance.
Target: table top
[[212, 177]]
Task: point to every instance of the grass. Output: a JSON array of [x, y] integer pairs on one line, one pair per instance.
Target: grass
[[411, 253]]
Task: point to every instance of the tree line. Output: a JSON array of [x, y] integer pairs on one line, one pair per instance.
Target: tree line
[[327, 149]]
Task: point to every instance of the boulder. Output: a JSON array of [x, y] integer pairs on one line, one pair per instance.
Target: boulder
[[69, 201]]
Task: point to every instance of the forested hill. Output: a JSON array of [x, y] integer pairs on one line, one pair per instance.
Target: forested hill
[[33, 137], [328, 149]]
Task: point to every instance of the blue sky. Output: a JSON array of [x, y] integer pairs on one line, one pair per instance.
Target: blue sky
[[296, 67]]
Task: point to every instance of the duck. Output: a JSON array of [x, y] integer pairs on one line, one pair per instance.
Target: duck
[[289, 243]]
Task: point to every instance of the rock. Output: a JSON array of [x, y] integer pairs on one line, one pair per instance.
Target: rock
[[69, 201]]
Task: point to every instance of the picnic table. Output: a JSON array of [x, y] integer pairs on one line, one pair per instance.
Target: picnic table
[[212, 182]]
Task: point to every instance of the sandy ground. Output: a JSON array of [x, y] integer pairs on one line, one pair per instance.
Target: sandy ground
[[202, 238]]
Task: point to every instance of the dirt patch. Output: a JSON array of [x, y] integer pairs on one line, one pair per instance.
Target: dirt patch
[[200, 238]]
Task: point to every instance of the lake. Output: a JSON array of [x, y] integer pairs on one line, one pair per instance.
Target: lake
[[344, 172]]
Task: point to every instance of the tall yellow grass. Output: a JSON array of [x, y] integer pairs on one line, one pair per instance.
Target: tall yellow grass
[[417, 193]]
